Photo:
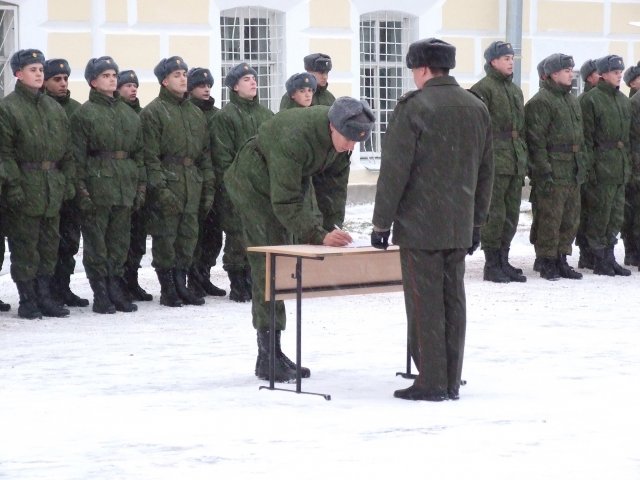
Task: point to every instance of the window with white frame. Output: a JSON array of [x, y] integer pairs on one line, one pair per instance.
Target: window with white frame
[[255, 35], [8, 41], [384, 76]]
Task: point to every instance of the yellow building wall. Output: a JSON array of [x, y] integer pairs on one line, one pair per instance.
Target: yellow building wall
[[570, 17], [621, 15], [133, 51], [337, 48], [173, 12], [69, 10], [74, 47], [470, 15], [116, 11], [465, 53], [330, 13], [193, 48]]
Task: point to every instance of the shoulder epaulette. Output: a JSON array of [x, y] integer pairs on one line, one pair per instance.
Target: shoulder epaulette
[[476, 94], [408, 95]]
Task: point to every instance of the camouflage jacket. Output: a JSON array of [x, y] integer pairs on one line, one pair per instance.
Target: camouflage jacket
[[35, 148], [634, 137], [287, 102], [505, 102], [322, 96], [555, 135], [606, 114], [67, 103], [135, 105], [108, 150], [207, 107]]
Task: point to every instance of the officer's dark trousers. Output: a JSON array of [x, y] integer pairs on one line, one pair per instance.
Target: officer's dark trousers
[[209, 236], [235, 254], [138, 239], [106, 241], [69, 239], [433, 282], [630, 231]]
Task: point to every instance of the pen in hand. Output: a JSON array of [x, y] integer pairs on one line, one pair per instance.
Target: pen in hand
[[337, 238]]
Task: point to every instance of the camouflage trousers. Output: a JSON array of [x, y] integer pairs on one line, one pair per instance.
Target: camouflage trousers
[[558, 216], [606, 214], [630, 231], [504, 212], [106, 241], [33, 242], [586, 199], [137, 240], [435, 302], [209, 242], [174, 239], [235, 253], [69, 239]]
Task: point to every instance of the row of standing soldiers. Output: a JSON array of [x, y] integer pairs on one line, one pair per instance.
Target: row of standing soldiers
[[582, 156], [114, 172]]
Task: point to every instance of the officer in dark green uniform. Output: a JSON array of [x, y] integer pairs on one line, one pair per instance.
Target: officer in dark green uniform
[[56, 83], [128, 93], [199, 83], [434, 188], [319, 65], [606, 115], [630, 231], [111, 180], [266, 182], [505, 102], [4, 307], [180, 178], [300, 89], [555, 140], [35, 147], [236, 122]]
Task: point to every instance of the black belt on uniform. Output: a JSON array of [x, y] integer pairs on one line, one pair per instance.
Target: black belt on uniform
[[563, 148], [186, 161], [107, 155], [613, 145], [33, 166], [507, 135]]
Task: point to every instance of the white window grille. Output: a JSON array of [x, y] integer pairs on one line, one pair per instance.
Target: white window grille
[[8, 42], [384, 76], [255, 35]]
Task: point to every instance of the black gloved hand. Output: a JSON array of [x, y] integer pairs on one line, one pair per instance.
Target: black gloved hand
[[140, 198], [475, 241], [380, 239], [545, 182], [167, 202]]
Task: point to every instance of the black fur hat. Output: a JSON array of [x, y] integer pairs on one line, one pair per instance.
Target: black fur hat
[[498, 49], [431, 52], [22, 58], [169, 65], [317, 62], [127, 76], [556, 62], [587, 69], [352, 118], [96, 66], [236, 73], [609, 63], [300, 80], [631, 74], [56, 66], [199, 76]]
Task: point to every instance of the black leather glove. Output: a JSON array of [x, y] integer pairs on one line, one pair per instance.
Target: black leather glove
[[85, 204], [545, 182], [139, 199], [168, 202], [380, 239], [475, 241], [15, 196]]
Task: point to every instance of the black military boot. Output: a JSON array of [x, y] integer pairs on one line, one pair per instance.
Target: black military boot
[[186, 295], [62, 294], [565, 270], [617, 268], [4, 307], [46, 303], [117, 295], [586, 259], [549, 269], [168, 294], [194, 282], [28, 308], [282, 372], [135, 291], [248, 281], [514, 274], [536, 264], [210, 288], [304, 372], [492, 268], [238, 283], [601, 265], [631, 254], [101, 301]]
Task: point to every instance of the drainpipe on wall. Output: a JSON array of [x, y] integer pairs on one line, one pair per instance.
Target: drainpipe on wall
[[514, 35]]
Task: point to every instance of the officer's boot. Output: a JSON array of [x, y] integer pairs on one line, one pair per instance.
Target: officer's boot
[[168, 294], [282, 373], [117, 295], [617, 268], [194, 282], [186, 295], [210, 288], [492, 268], [549, 269], [238, 285], [135, 291], [601, 265], [28, 308], [630, 253], [304, 372], [4, 307], [248, 281], [514, 274], [536, 264], [565, 270], [46, 303], [587, 258], [101, 301], [62, 294]]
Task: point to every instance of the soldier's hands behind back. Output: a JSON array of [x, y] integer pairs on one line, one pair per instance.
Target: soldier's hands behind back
[[475, 241], [86, 205], [546, 183], [380, 239], [15, 196], [139, 199], [69, 191], [168, 202]]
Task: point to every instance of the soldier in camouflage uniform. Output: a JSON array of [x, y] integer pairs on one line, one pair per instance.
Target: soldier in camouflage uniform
[[606, 115], [180, 178], [236, 122], [35, 147], [111, 180], [300, 88], [555, 140], [319, 65], [505, 102], [128, 93], [265, 183], [199, 83], [630, 231], [56, 82], [4, 307]]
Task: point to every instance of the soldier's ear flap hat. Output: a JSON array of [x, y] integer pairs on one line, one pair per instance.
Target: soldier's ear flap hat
[[318, 62], [556, 62], [609, 64], [22, 58], [540, 69], [353, 118], [431, 52], [587, 69], [237, 72], [498, 49], [199, 76], [167, 66], [300, 80], [56, 66], [96, 66], [631, 74], [127, 76]]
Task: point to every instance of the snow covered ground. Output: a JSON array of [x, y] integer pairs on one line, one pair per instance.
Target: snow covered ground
[[553, 372]]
